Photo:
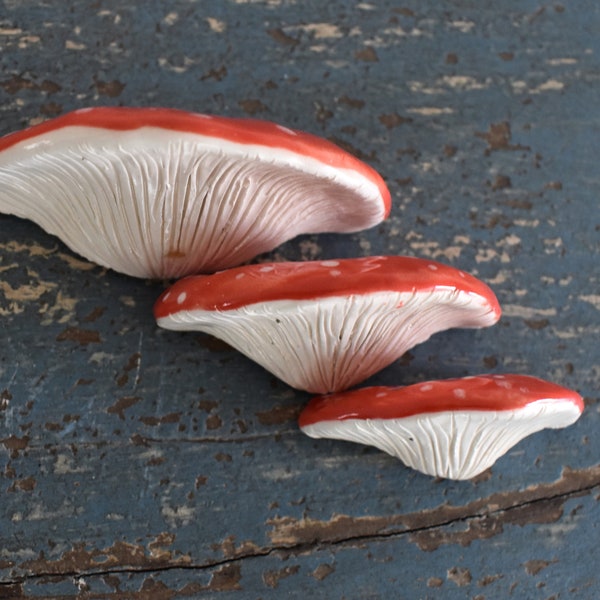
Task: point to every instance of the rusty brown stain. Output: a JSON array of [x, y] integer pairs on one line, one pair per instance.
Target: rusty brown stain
[[506, 56], [272, 578], [168, 418], [435, 582], [53, 427], [200, 481], [81, 558], [533, 567], [94, 315], [230, 550], [536, 324], [489, 579], [323, 571], [501, 182], [351, 102], [154, 590], [392, 120], [491, 362], [15, 444], [16, 83], [81, 336], [288, 531], [121, 405], [51, 109], [112, 89], [367, 54], [482, 518], [23, 485], [283, 38], [252, 106], [207, 405], [133, 362], [498, 137], [223, 457], [213, 422], [460, 576], [225, 579], [279, 415], [13, 590], [139, 440]]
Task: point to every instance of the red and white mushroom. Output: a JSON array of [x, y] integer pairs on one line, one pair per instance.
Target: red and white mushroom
[[163, 193], [324, 326], [455, 428]]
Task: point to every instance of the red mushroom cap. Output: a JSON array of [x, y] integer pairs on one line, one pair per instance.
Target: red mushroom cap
[[326, 325], [313, 280], [156, 192], [481, 393]]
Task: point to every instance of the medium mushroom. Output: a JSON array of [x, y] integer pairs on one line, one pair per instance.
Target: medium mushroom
[[455, 428], [324, 326], [162, 193]]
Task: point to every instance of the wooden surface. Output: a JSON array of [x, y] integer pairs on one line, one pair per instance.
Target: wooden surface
[[138, 463]]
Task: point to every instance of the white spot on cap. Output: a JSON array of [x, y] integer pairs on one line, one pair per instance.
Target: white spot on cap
[[459, 393], [524, 390], [504, 384], [240, 275], [381, 394], [166, 296], [432, 267], [462, 274], [426, 388], [330, 263], [181, 298], [335, 273], [267, 269], [286, 130]]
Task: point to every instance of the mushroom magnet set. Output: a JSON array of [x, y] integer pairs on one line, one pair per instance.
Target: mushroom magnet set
[[161, 193]]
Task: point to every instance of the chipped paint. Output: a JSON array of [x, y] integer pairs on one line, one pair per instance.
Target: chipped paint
[[216, 25], [481, 519], [593, 299], [430, 111]]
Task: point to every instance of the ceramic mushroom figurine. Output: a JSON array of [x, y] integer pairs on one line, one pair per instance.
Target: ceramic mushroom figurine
[[455, 428], [324, 326], [161, 193]]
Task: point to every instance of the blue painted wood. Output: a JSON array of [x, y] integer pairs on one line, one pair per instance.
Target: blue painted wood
[[157, 464]]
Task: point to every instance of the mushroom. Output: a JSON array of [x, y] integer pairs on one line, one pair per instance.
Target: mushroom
[[324, 326], [455, 428], [162, 193]]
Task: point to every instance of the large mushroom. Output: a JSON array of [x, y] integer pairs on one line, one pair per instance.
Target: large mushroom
[[455, 428], [162, 193], [324, 326]]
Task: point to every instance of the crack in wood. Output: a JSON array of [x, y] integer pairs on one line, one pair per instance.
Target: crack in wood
[[542, 503]]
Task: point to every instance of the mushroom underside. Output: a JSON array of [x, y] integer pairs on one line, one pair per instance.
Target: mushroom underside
[[449, 444], [161, 207], [334, 343]]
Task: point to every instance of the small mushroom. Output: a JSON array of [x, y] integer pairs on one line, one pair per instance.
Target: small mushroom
[[162, 193], [324, 326], [455, 428]]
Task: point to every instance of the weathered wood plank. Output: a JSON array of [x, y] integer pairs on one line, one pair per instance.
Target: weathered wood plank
[[138, 463]]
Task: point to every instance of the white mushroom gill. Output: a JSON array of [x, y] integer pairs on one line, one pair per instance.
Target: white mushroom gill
[[331, 344], [154, 203], [450, 444]]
